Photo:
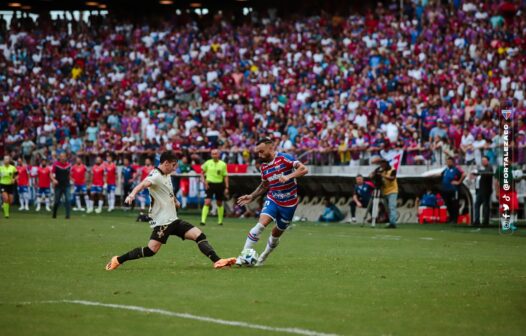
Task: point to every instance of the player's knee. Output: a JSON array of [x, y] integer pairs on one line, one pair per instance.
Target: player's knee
[[147, 252], [201, 237]]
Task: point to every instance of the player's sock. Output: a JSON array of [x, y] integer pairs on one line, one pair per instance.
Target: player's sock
[[101, 203], [253, 236], [136, 253], [206, 248], [273, 242], [5, 207], [142, 200], [77, 199], [220, 214], [204, 213], [88, 202], [185, 202], [111, 199], [47, 202]]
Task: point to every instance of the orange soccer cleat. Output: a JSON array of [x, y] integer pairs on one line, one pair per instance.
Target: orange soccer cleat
[[114, 263], [224, 262]]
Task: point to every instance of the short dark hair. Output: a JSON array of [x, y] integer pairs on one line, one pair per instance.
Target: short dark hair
[[266, 141], [168, 156], [359, 175]]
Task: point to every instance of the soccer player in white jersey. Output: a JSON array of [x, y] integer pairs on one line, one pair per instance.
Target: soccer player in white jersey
[[164, 220]]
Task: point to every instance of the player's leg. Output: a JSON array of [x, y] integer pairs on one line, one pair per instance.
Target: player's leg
[[40, 194], [220, 196], [142, 200], [5, 204], [111, 198], [21, 198], [139, 252], [47, 199], [208, 201], [283, 219], [58, 195], [67, 201], [100, 198], [186, 230], [353, 211]]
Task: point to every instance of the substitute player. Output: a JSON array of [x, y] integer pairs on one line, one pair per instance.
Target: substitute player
[[8, 174], [22, 180], [215, 178], [183, 168], [78, 176], [97, 186], [44, 185], [127, 178], [144, 196], [278, 182], [164, 218], [111, 181]]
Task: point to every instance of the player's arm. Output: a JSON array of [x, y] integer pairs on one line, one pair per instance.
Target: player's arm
[[260, 190], [141, 186], [460, 180], [299, 170]]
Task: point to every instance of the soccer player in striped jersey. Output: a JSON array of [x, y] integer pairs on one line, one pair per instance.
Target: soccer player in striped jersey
[[23, 184], [278, 181], [111, 181]]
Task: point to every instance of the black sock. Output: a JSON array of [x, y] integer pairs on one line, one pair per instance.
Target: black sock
[[136, 253], [206, 248]]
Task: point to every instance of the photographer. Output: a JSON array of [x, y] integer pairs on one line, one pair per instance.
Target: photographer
[[385, 177]]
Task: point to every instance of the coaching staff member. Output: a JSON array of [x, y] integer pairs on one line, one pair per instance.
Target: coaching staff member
[[452, 176], [61, 180], [215, 178], [484, 189]]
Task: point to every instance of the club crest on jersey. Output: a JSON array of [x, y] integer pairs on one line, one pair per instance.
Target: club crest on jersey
[[275, 177]]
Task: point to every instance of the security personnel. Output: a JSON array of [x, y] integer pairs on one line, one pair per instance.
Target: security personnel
[[215, 178]]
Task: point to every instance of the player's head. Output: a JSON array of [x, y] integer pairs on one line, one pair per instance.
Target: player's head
[[78, 160], [62, 157], [450, 162], [126, 161], [7, 160], [485, 160], [109, 158], [20, 161], [359, 179], [168, 162], [43, 162], [215, 154], [265, 149], [148, 162], [98, 160]]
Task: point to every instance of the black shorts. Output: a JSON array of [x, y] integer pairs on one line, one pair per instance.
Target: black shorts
[[177, 228], [217, 189], [7, 188]]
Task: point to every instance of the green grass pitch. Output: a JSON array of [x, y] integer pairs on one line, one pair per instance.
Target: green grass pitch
[[335, 279]]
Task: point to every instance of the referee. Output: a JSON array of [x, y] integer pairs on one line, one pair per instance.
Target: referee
[[215, 178], [8, 173]]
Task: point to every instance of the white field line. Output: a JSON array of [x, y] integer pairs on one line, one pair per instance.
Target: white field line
[[297, 331]]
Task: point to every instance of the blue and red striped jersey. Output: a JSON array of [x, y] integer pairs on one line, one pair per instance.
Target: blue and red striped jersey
[[284, 194]]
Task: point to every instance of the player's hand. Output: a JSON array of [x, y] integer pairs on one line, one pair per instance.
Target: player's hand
[[129, 200], [244, 200], [359, 204], [455, 183], [283, 179], [206, 185], [177, 204], [227, 191]]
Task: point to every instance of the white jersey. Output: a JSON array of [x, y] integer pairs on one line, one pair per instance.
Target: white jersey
[[162, 208]]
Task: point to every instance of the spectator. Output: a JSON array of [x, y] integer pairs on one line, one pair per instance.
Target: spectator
[[331, 213]]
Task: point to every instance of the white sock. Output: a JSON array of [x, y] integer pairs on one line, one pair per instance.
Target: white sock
[[37, 202], [111, 199], [253, 236], [185, 201], [77, 199], [273, 242], [101, 203], [142, 200], [47, 202], [87, 200]]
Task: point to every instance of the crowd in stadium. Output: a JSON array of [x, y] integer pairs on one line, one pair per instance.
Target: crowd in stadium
[[332, 90]]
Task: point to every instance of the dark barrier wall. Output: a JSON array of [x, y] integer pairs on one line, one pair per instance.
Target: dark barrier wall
[[339, 186]]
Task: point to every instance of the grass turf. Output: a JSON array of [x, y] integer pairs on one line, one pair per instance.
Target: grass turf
[[341, 279]]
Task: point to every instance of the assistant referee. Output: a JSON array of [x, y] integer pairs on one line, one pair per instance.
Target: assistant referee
[[215, 178], [8, 173]]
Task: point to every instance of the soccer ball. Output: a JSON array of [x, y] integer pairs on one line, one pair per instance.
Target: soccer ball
[[248, 257]]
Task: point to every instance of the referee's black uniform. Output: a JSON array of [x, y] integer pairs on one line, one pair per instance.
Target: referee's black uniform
[[62, 170]]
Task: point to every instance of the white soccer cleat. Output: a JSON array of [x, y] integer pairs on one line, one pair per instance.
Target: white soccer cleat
[[37, 208], [90, 210], [98, 210], [82, 209], [21, 208], [261, 261], [75, 209], [110, 209], [239, 261], [48, 209]]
